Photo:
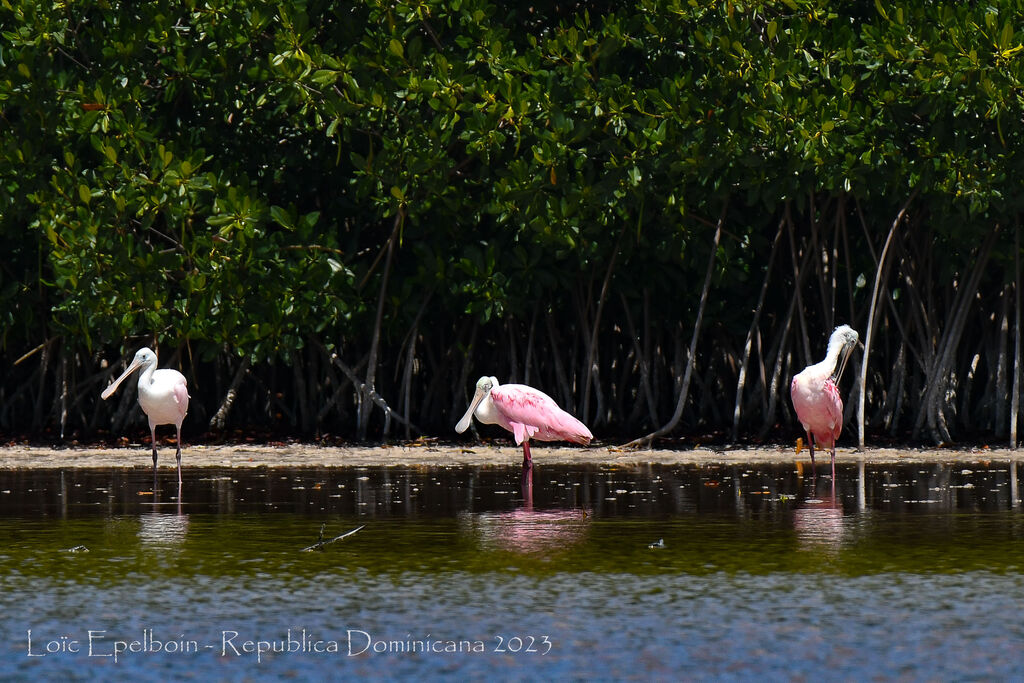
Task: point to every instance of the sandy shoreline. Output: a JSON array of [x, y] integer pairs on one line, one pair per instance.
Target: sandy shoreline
[[428, 455]]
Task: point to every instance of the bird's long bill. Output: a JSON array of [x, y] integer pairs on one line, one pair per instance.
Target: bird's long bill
[[117, 382], [463, 424], [847, 352]]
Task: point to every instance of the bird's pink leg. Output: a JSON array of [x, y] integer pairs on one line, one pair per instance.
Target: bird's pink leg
[[833, 461], [179, 456], [527, 459], [527, 484], [152, 437]]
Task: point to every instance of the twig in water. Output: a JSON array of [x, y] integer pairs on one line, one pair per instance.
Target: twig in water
[[319, 545]]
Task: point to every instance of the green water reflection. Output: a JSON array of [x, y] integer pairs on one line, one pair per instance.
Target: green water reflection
[[630, 573], [647, 520]]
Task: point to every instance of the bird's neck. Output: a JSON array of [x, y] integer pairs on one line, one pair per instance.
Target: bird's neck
[[146, 375], [828, 366], [487, 413]]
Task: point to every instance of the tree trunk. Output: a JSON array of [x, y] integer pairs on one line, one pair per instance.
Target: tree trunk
[[799, 269], [934, 400], [880, 272], [645, 441], [1001, 395], [594, 329], [1015, 393], [741, 380], [219, 419], [556, 357], [773, 386], [528, 361], [363, 418], [645, 368]]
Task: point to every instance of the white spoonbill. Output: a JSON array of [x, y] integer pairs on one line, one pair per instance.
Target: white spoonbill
[[163, 395], [816, 397], [526, 412]]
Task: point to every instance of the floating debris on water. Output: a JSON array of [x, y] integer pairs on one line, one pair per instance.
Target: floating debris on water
[[319, 545]]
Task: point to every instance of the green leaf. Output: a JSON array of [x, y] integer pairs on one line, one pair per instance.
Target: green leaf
[[84, 194], [395, 47], [281, 217], [1006, 38], [325, 76], [310, 220]]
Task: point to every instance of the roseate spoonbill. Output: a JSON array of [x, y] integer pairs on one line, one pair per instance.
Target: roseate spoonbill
[[816, 397], [163, 395], [526, 412]]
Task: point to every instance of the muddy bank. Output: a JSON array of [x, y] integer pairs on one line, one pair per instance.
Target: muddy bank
[[429, 455]]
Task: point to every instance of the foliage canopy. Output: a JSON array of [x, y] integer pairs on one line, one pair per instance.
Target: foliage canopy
[[347, 205]]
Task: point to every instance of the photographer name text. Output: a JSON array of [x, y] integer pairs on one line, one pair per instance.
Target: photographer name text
[[355, 642]]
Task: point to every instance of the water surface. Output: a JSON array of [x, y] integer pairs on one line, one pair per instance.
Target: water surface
[[597, 572]]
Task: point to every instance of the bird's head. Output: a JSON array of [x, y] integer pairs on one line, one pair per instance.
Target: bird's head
[[844, 339], [143, 357], [483, 390]]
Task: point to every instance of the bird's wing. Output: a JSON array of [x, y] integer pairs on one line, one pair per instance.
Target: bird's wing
[[537, 414], [834, 407], [524, 407], [521, 432], [181, 395], [796, 398]]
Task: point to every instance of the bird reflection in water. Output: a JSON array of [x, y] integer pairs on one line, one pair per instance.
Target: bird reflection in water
[[161, 527], [525, 530], [819, 520]]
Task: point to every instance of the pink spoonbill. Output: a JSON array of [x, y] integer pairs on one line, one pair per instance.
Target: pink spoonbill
[[816, 397], [526, 412], [163, 395]]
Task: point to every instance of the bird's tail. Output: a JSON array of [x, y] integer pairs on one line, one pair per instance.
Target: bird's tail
[[575, 430]]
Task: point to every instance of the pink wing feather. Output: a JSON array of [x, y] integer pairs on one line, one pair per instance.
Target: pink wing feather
[[181, 396], [834, 408], [532, 414], [819, 408]]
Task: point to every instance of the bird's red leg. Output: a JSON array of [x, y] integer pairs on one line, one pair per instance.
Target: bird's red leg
[[527, 484], [527, 459]]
